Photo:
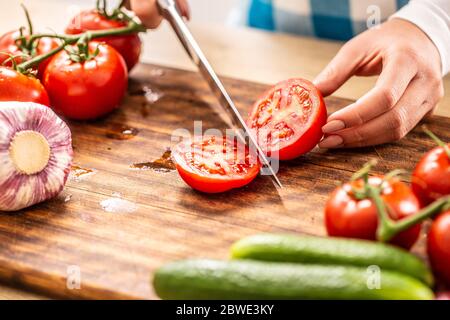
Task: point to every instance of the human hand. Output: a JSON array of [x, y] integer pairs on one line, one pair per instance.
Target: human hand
[[147, 11], [409, 85]]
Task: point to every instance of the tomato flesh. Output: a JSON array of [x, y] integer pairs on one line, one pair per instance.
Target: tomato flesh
[[215, 164], [438, 246], [15, 86], [431, 177], [288, 119], [129, 46], [346, 216]]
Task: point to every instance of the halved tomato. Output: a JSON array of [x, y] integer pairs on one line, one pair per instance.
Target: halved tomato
[[288, 119], [215, 164]]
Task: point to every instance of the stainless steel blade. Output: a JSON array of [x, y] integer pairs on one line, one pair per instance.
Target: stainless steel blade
[[169, 11]]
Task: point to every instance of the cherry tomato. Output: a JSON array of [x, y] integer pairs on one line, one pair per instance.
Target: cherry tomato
[[129, 46], [431, 177], [8, 45], [346, 216], [213, 164], [86, 90], [438, 247], [15, 86], [443, 296], [288, 119]]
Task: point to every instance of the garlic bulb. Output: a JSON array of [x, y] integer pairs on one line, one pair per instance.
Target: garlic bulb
[[35, 154]]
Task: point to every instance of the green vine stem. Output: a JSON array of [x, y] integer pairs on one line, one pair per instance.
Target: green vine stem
[[385, 222], [363, 174], [364, 171], [12, 58], [388, 229], [132, 27], [438, 141], [27, 16], [22, 42]]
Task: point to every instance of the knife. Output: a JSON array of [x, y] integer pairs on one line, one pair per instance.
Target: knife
[[169, 11]]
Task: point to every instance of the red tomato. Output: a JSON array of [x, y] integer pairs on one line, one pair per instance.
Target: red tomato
[[288, 119], [87, 90], [8, 45], [214, 164], [346, 216], [45, 46], [439, 247], [15, 86], [129, 46], [443, 296], [431, 177]]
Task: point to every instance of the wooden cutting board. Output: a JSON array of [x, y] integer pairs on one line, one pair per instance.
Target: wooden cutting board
[[114, 224]]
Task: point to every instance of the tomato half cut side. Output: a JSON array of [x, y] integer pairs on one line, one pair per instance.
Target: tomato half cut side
[[214, 164], [288, 119]]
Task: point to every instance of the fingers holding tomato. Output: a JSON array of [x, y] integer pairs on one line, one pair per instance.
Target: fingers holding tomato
[[350, 217], [88, 89], [288, 119], [213, 164]]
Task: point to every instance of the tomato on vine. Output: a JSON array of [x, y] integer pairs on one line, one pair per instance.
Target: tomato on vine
[[129, 46], [86, 83], [15, 86], [438, 246], [431, 177], [10, 45], [17, 43], [347, 215]]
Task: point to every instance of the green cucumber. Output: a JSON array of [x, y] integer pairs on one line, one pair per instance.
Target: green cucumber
[[245, 279], [331, 251]]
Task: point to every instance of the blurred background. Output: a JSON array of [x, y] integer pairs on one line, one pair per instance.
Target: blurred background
[[233, 49], [206, 11]]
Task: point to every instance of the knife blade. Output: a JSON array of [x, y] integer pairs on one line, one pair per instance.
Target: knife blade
[[169, 11]]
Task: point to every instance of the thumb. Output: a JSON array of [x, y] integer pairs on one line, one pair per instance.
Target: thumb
[[340, 69]]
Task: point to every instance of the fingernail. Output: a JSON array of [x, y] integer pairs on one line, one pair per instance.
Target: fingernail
[[333, 126], [331, 142]]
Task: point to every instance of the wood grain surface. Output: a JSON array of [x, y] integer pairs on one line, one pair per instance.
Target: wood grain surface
[[115, 224]]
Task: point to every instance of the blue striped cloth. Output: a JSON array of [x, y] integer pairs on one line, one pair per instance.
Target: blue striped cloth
[[332, 19]]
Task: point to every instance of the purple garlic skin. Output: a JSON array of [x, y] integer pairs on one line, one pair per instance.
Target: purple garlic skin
[[35, 154]]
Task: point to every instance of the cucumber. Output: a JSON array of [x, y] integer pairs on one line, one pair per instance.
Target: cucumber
[[331, 251], [246, 279]]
